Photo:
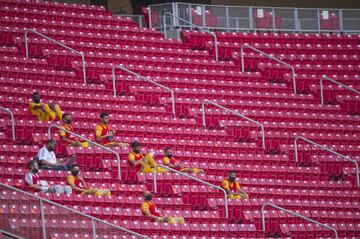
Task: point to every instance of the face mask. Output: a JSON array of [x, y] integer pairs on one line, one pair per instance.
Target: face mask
[[68, 121], [137, 151], [75, 173], [148, 197], [36, 101], [35, 170], [232, 179], [50, 149], [170, 156]]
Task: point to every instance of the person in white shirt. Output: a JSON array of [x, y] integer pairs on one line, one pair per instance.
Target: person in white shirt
[[32, 180], [47, 158]]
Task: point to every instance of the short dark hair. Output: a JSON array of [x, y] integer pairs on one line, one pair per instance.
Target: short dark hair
[[135, 144], [167, 148], [103, 114], [232, 171], [35, 93], [74, 165], [65, 114], [31, 163], [51, 141]]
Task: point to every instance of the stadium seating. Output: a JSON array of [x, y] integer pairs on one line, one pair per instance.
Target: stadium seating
[[143, 111]]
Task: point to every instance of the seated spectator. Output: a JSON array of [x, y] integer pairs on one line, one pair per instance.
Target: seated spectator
[[150, 210], [171, 162], [104, 134], [77, 183], [144, 164], [67, 136], [232, 187], [44, 112], [32, 180], [47, 158]]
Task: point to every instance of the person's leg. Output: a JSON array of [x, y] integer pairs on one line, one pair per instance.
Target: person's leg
[[58, 189], [58, 111], [43, 116], [51, 113], [112, 144], [70, 164], [54, 167], [67, 189]]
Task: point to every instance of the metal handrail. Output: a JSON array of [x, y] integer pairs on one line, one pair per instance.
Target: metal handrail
[[58, 43], [192, 24], [294, 214], [42, 200], [89, 141], [6, 233], [329, 150], [146, 79], [335, 82], [193, 178], [235, 113], [12, 121], [268, 56]]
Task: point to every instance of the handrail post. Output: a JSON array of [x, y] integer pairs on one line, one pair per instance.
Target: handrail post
[[70, 210], [113, 80], [294, 214], [43, 219], [328, 150], [58, 43], [235, 113], [198, 27], [196, 179], [242, 58], [93, 228], [270, 57], [12, 122], [335, 82], [83, 67], [89, 141], [26, 44], [146, 79], [154, 179]]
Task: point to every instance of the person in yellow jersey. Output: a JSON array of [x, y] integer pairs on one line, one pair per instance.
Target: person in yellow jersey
[[149, 209], [171, 162], [78, 185], [143, 163], [232, 187], [44, 112], [70, 138], [104, 134]]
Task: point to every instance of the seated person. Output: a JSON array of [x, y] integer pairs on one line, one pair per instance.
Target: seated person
[[67, 136], [232, 187], [171, 162], [47, 158], [77, 183], [44, 112], [104, 134], [32, 180], [144, 164], [150, 210]]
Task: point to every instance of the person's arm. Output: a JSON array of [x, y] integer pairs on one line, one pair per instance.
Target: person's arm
[[146, 211], [29, 181], [63, 137], [83, 182], [70, 181], [36, 106], [241, 192], [131, 158], [44, 162], [166, 161], [225, 186], [98, 131]]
